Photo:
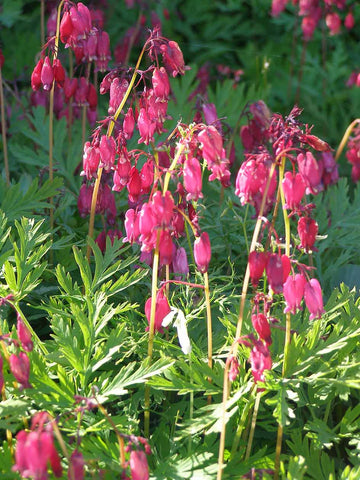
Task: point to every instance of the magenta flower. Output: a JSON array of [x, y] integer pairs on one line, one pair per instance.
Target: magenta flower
[[163, 208], [20, 368], [117, 91], [47, 74], [257, 264], [311, 171], [173, 58], [180, 262], [84, 199], [307, 229], [91, 161], [262, 327], [161, 84], [59, 72], [103, 54], [202, 252], [146, 127], [36, 75], [129, 124], [134, 185], [162, 308], [24, 335], [147, 176], [34, 451], [192, 178], [293, 291], [211, 143], [166, 248], [294, 190], [76, 466], [131, 226], [138, 465], [260, 360], [234, 369], [107, 149], [313, 298], [277, 271]]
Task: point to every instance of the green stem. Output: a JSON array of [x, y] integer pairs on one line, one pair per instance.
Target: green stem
[[208, 318], [240, 428], [253, 424], [288, 315], [151, 331], [226, 389]]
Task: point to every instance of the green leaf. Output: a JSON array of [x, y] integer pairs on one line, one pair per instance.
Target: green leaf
[[129, 376]]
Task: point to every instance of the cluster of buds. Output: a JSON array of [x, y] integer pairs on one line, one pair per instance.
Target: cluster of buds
[[35, 450], [312, 11]]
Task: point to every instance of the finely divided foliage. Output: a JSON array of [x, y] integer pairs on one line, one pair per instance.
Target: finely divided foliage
[[178, 263]]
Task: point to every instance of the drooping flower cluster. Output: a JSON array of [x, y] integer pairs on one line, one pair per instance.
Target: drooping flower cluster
[[81, 30], [334, 12], [272, 144], [155, 218]]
